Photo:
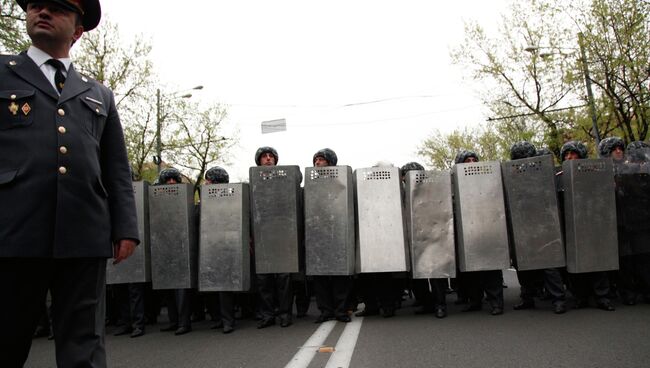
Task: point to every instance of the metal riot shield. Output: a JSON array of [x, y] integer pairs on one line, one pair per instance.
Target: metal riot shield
[[481, 230], [224, 237], [277, 218], [329, 221], [533, 216], [590, 215], [381, 241], [634, 199], [173, 236], [136, 268], [430, 224]]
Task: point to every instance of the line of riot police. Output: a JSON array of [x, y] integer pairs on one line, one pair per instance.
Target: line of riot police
[[366, 235]]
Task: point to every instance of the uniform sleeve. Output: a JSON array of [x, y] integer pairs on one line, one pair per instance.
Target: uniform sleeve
[[116, 176]]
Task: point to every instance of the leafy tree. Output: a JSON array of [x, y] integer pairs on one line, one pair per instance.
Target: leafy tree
[[617, 45], [123, 67], [13, 38], [439, 150], [195, 139], [532, 71]]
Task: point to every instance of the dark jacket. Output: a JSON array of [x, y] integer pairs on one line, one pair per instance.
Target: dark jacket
[[43, 211]]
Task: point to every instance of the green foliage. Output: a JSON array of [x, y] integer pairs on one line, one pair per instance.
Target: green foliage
[[194, 138], [531, 75], [617, 45], [439, 150], [13, 37]]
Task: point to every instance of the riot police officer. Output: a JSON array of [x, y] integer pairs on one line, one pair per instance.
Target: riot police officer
[[430, 293], [274, 289], [633, 210], [221, 305], [529, 280], [178, 300], [331, 291], [479, 282], [583, 285]]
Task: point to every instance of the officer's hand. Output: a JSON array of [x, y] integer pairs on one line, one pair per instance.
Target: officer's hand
[[123, 249]]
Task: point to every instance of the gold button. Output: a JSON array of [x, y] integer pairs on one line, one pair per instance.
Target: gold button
[[13, 97], [12, 63], [61, 112], [62, 129], [97, 111], [63, 150], [62, 170]]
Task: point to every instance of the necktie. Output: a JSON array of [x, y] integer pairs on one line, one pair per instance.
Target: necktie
[[59, 78]]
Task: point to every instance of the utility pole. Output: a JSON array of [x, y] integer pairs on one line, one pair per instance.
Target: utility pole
[[158, 158], [590, 94]]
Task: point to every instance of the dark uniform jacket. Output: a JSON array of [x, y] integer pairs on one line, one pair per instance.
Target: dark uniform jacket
[[65, 182]]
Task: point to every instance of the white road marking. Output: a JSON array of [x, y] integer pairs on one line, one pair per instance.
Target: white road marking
[[307, 352], [345, 346]]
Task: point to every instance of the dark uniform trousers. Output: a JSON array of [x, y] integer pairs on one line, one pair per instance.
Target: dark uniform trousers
[[550, 278], [634, 277], [77, 288], [179, 308], [130, 299], [274, 287], [332, 294], [588, 284], [430, 293], [377, 290], [490, 282], [221, 307]]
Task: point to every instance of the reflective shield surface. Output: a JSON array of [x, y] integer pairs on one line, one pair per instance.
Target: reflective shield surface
[[430, 224], [590, 215], [329, 221], [277, 218], [224, 255], [481, 230], [136, 268], [533, 216], [381, 240], [173, 233]]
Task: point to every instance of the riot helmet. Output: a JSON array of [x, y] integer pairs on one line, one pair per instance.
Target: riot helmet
[[263, 150], [574, 146], [329, 156], [217, 175], [522, 149], [543, 152], [169, 173], [409, 167], [607, 146], [638, 151], [464, 155]]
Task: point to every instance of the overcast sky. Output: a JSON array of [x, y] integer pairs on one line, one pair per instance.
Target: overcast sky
[[369, 79]]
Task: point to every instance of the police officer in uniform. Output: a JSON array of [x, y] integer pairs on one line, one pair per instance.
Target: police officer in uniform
[[178, 300], [529, 280], [221, 305], [614, 148], [331, 291], [584, 285], [634, 274], [274, 289], [478, 282], [430, 293], [64, 174]]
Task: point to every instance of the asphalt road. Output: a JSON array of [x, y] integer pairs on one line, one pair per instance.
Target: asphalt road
[[532, 338]]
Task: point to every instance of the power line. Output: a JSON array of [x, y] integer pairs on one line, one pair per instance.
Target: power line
[[534, 113]]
